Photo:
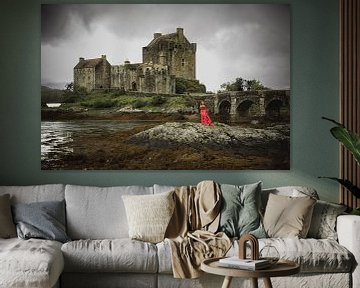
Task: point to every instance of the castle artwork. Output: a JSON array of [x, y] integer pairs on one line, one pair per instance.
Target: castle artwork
[[165, 58], [165, 87]]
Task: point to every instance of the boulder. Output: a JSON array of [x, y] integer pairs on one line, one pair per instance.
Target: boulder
[[220, 135]]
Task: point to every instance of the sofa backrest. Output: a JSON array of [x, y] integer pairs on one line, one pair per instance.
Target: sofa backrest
[[98, 212], [35, 193]]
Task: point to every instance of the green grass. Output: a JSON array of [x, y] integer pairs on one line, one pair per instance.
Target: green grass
[[147, 103]]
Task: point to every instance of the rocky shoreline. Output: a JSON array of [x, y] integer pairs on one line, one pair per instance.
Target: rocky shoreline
[[180, 143], [220, 136]]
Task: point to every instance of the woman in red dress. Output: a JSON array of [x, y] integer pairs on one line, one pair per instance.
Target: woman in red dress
[[204, 115]]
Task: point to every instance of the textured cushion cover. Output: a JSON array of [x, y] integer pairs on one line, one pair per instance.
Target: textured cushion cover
[[44, 220], [98, 212], [323, 223], [34, 193], [313, 255], [117, 255], [7, 226], [292, 191], [149, 215], [287, 216], [240, 213], [31, 263]]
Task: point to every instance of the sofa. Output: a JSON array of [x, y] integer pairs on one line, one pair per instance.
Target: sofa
[[99, 252]]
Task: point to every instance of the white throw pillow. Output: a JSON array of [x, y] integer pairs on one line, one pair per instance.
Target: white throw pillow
[[149, 215]]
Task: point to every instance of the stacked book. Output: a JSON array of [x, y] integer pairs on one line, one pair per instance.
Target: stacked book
[[248, 264]]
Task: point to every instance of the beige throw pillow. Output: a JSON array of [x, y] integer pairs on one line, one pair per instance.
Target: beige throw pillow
[[288, 217], [7, 226], [148, 215]]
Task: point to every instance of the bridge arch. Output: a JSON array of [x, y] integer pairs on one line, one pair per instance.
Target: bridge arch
[[224, 111], [275, 108], [245, 109]]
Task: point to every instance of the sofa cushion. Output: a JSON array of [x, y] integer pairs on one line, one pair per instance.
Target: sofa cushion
[[98, 213], [116, 255], [149, 215], [43, 220], [287, 216], [7, 226], [323, 222], [313, 255], [30, 263], [34, 193], [291, 191], [240, 210]]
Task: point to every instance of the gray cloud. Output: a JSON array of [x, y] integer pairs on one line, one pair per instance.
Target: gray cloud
[[234, 40]]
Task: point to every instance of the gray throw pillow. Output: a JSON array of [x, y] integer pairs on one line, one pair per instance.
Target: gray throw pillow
[[44, 220], [240, 213], [323, 222], [7, 226]]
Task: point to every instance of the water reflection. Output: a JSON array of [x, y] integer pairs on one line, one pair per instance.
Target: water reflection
[[56, 136]]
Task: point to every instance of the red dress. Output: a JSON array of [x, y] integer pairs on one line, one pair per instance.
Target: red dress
[[205, 118]]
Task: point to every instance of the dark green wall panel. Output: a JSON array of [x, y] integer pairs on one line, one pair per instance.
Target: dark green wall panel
[[314, 93]]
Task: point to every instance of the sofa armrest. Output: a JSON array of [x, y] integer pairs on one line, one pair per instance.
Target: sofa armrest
[[348, 230]]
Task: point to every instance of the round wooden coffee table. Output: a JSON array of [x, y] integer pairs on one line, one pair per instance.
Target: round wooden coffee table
[[281, 268]]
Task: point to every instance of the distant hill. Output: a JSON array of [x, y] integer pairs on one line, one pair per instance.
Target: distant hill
[[50, 95]]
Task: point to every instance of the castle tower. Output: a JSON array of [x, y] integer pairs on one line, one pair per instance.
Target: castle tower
[[175, 51]]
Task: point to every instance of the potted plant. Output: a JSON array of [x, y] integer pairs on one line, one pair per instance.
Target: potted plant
[[351, 141]]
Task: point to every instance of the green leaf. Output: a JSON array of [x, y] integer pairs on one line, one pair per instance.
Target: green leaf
[[347, 184], [348, 138]]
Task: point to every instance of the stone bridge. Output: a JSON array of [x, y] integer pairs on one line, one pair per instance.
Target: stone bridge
[[237, 105]]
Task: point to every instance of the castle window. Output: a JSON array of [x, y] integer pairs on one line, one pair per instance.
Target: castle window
[[183, 62]]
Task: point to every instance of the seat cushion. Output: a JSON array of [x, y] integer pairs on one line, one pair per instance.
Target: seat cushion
[[30, 263], [117, 255], [313, 255]]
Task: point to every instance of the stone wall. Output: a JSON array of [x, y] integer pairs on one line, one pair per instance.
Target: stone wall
[[103, 75], [85, 77]]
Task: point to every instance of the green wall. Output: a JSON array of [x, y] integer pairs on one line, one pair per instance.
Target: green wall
[[314, 93]]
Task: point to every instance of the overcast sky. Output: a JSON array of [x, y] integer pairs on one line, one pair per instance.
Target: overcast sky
[[251, 41]]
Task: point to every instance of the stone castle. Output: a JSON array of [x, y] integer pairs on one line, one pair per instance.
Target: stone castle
[[165, 58]]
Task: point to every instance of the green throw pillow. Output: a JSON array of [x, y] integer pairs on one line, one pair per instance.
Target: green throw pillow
[[240, 213]]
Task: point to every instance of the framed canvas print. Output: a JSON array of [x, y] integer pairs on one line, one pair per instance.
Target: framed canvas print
[[165, 86]]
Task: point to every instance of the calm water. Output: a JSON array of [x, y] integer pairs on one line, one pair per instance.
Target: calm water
[[56, 136]]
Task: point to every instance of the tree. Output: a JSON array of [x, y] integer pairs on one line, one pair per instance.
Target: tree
[[237, 85], [241, 84], [73, 93], [253, 85], [188, 86]]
